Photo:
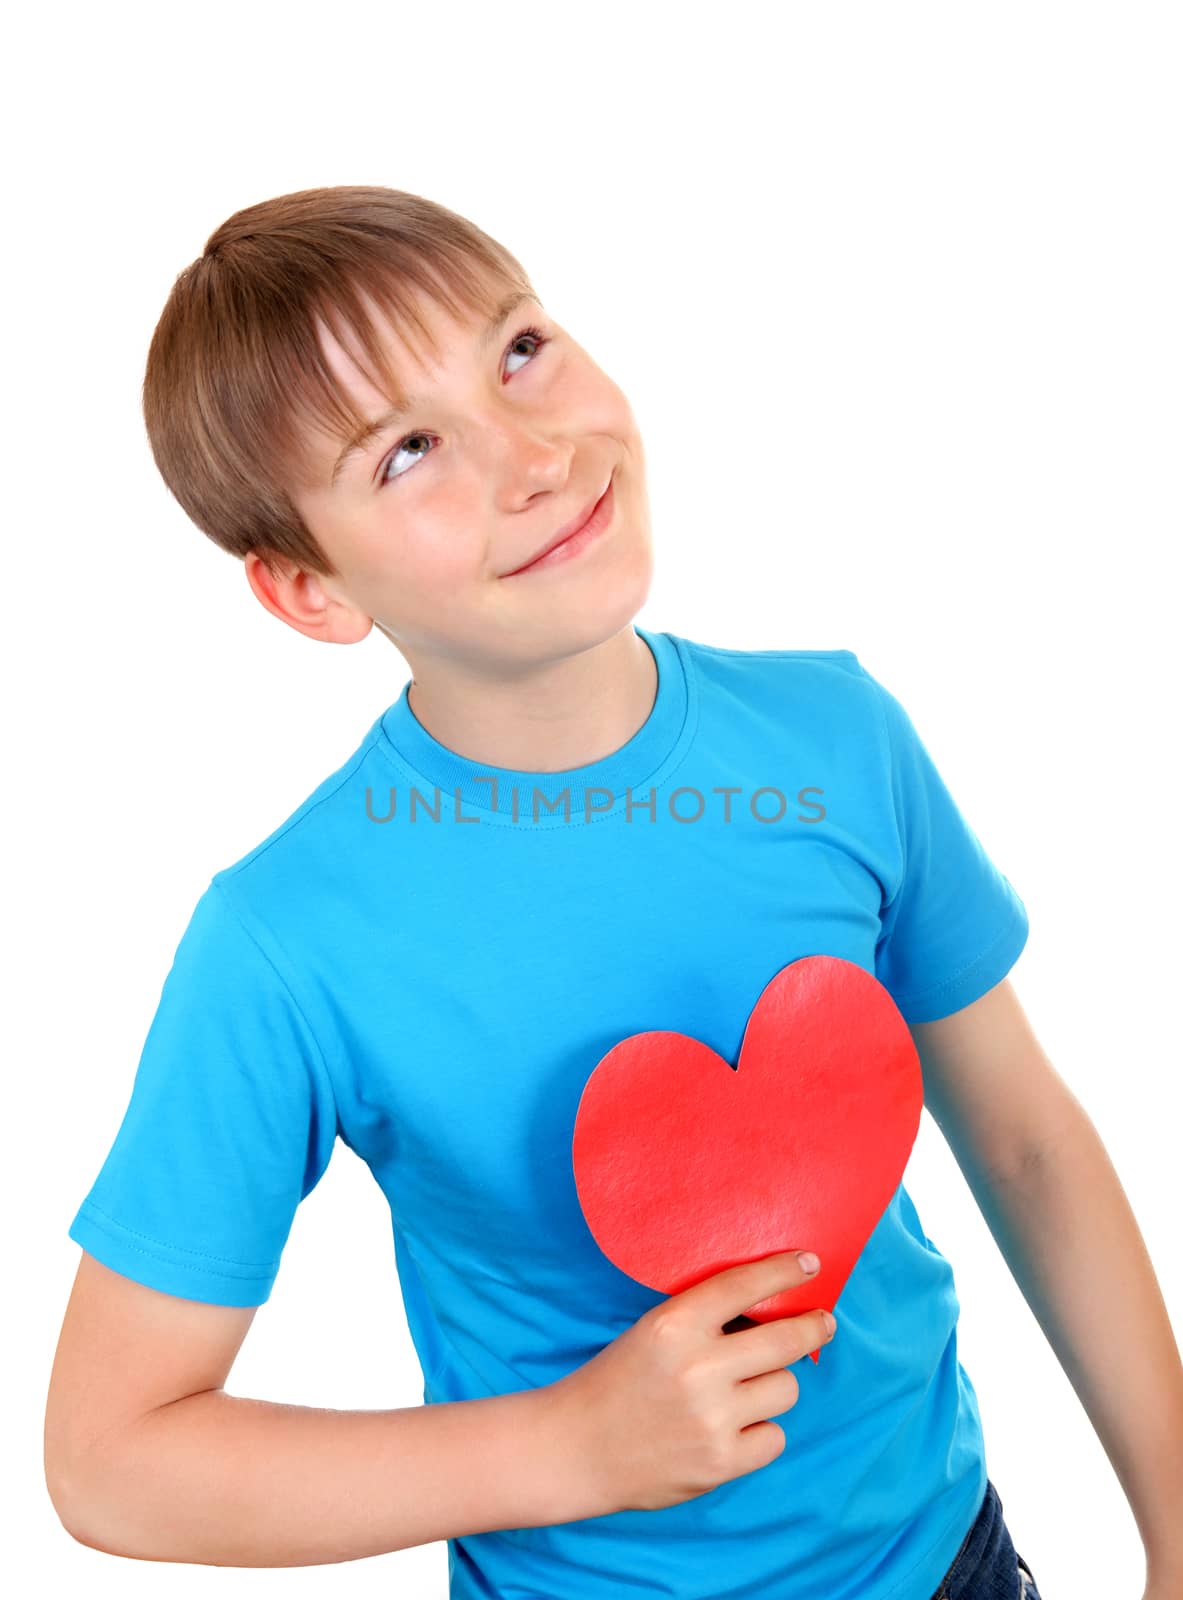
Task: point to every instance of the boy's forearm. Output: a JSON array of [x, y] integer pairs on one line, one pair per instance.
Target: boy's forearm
[[232, 1482], [1066, 1229]]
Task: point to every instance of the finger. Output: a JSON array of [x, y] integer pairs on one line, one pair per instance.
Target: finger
[[727, 1294], [768, 1346]]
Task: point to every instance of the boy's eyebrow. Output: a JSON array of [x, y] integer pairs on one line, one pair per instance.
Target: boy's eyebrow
[[371, 429]]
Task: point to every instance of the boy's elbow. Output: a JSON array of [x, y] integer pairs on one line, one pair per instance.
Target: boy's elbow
[[65, 1499], [82, 1538]]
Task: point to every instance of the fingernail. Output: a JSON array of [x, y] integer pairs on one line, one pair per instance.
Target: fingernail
[[829, 1321], [808, 1261]]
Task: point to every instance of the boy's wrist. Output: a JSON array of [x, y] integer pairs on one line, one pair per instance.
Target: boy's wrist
[[574, 1483]]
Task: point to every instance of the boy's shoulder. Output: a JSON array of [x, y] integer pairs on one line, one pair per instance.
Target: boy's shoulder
[[817, 707], [812, 672], [840, 657], [303, 842]]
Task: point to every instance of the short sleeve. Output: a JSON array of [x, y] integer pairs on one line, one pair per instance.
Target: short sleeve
[[952, 925], [230, 1124]]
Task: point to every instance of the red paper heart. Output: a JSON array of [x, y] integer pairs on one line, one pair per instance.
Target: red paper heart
[[685, 1167]]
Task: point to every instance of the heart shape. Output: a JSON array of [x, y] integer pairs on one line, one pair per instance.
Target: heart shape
[[685, 1166]]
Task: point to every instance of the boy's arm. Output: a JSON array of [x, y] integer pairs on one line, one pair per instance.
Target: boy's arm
[[1048, 1191], [147, 1456], [225, 1481]]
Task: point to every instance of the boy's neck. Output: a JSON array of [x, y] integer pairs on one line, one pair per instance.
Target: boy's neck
[[570, 713]]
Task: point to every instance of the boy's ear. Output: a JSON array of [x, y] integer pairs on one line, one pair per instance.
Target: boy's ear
[[304, 601]]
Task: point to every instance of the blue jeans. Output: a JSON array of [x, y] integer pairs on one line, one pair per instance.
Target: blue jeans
[[987, 1567]]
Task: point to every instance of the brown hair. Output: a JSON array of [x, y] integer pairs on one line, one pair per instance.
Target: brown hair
[[236, 373]]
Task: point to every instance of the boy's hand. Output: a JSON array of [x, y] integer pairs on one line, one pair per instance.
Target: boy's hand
[[674, 1406]]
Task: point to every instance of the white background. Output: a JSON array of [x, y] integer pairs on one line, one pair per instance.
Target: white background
[[894, 292]]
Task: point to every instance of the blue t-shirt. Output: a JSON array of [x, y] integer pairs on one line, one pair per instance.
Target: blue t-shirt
[[428, 960]]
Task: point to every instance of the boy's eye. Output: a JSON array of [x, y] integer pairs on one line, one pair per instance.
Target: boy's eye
[[385, 476]]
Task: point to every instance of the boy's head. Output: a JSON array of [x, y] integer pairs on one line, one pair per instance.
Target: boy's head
[[307, 317]]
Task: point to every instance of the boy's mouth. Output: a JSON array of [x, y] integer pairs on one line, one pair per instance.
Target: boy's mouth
[[593, 513]]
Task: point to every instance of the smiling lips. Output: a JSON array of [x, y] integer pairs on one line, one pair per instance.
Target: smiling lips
[[564, 533]]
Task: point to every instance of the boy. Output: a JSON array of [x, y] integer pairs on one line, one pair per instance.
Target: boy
[[565, 831]]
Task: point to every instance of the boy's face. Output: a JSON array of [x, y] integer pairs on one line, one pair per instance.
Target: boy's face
[[509, 442]]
